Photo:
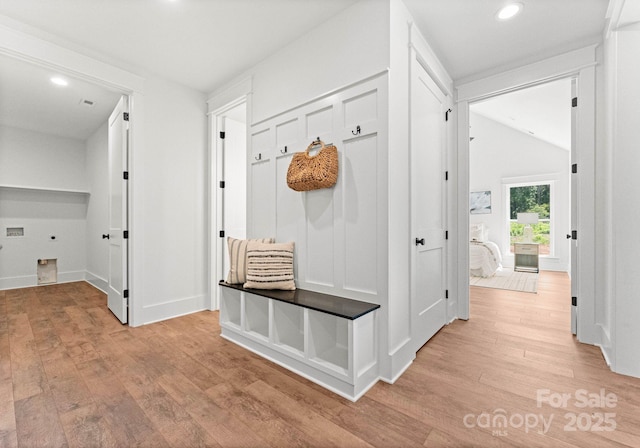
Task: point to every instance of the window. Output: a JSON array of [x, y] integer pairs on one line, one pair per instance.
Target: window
[[533, 198]]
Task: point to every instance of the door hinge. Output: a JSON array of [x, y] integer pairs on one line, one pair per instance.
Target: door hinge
[[574, 234], [446, 294], [125, 234], [574, 301], [446, 175], [574, 168], [446, 234], [222, 135], [446, 114], [125, 293], [221, 184], [125, 175], [222, 234], [125, 116], [574, 102]]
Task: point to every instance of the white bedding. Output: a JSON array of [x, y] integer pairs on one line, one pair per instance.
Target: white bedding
[[484, 258]]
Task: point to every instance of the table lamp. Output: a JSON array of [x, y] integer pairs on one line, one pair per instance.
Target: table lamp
[[527, 219]]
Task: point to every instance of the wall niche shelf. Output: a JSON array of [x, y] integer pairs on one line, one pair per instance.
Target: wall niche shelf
[[327, 339], [42, 189]]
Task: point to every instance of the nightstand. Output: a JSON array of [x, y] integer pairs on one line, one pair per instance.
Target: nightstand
[[527, 257]]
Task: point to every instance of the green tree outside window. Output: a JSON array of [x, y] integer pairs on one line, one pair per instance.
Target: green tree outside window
[[531, 199]]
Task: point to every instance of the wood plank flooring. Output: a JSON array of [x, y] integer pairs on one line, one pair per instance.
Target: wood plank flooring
[[71, 375]]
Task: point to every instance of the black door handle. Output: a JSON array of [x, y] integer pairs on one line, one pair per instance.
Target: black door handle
[[568, 236], [419, 241], [105, 236]]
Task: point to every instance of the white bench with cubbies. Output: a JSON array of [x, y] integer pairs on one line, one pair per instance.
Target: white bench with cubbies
[[329, 340]]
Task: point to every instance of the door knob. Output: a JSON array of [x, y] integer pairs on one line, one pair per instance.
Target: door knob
[[419, 241], [105, 236]]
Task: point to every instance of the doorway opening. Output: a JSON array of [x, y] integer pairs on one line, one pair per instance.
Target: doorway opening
[[229, 134], [520, 154], [55, 177]]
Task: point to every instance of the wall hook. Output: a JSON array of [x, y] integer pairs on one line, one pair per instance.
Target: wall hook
[[357, 131], [446, 114], [259, 156], [283, 151]]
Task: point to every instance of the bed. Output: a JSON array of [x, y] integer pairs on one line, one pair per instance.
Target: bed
[[485, 258]]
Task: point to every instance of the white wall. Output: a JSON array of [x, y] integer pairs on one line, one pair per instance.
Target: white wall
[[33, 159], [624, 101], [499, 152], [38, 160], [97, 223], [171, 218], [347, 48]]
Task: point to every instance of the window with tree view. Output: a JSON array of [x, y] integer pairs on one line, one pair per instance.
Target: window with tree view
[[531, 199]]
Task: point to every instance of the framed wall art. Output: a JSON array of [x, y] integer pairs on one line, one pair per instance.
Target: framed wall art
[[480, 202]]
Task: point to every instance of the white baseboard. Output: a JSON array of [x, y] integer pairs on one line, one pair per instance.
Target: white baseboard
[[28, 281], [98, 282], [173, 308], [606, 348], [25, 281], [397, 363]]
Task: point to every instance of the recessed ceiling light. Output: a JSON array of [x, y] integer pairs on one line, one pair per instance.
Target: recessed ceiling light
[[509, 11], [59, 81]]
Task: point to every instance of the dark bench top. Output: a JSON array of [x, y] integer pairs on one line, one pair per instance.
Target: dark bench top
[[338, 306]]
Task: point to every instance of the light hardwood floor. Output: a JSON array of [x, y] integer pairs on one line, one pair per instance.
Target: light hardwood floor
[[71, 375]]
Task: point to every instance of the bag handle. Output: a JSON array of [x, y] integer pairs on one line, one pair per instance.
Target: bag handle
[[314, 143]]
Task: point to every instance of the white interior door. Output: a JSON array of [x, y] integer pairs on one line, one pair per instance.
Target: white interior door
[[235, 180], [574, 215], [428, 203], [118, 155]]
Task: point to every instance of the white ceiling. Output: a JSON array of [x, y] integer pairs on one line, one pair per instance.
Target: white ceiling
[[30, 101], [198, 43], [542, 111], [204, 44], [471, 43]]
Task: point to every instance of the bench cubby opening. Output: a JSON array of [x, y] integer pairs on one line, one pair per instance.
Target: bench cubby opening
[[329, 341], [256, 314], [288, 327], [230, 307]]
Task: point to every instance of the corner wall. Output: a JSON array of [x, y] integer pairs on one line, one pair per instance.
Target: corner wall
[[97, 223], [345, 49], [624, 98], [170, 181]]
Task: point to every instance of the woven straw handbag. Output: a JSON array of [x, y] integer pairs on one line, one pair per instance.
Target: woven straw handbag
[[308, 172]]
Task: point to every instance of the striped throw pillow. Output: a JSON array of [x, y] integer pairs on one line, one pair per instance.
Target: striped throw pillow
[[238, 259], [270, 266]]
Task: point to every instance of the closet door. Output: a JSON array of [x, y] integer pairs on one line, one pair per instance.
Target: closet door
[[428, 204], [117, 300]]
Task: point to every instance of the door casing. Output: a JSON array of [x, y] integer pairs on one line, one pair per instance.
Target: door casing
[[581, 65]]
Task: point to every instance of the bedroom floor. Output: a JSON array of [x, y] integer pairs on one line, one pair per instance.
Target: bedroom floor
[[71, 375]]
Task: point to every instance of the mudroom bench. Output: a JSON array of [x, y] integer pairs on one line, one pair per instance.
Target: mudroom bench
[[327, 339]]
